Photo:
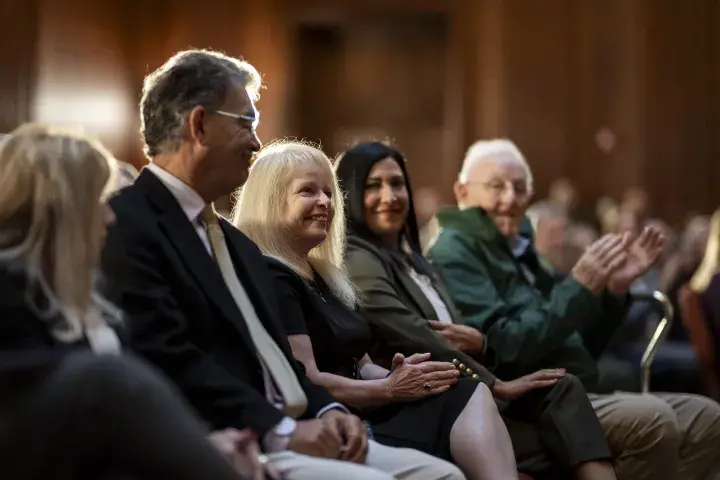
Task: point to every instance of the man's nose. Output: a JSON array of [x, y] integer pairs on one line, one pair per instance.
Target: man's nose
[[256, 143]]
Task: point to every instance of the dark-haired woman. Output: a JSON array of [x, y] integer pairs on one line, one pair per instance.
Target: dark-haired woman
[[410, 310]]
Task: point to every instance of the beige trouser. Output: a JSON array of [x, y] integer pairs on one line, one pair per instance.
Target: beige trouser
[[383, 463], [661, 435]]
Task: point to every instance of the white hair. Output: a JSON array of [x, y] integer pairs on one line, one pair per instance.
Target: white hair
[[260, 208], [495, 150]]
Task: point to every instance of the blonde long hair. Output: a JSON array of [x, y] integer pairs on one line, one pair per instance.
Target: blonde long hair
[[711, 261], [52, 222], [260, 208]]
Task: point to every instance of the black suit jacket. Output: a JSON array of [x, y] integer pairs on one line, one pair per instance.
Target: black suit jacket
[[181, 314]]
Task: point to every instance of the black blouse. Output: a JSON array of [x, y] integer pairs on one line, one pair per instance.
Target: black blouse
[[340, 337]]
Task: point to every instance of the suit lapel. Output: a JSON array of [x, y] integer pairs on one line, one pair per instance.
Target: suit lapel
[[181, 233], [414, 292]]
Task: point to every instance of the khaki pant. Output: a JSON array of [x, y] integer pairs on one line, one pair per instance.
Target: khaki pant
[[662, 435], [383, 463]]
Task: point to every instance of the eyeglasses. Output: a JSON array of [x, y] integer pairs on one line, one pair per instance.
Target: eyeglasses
[[498, 187], [254, 121]]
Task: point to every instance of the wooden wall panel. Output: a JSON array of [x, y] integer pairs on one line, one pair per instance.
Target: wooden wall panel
[[539, 72], [17, 62], [608, 98], [713, 161], [434, 76], [376, 77], [476, 85], [679, 88], [81, 75]]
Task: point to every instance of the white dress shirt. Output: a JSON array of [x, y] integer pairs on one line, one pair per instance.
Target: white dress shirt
[[519, 246], [425, 284], [192, 205]]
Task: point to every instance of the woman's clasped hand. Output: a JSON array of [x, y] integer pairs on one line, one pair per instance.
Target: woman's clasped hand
[[416, 377]]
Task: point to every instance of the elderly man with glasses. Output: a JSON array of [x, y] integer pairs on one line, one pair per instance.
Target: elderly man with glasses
[[530, 320]]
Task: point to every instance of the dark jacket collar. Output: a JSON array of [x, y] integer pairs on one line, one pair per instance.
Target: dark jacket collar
[[398, 274]]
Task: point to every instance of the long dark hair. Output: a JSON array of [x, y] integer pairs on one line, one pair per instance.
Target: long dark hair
[[353, 168]]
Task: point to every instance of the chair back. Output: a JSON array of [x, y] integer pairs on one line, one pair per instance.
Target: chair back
[[701, 338]]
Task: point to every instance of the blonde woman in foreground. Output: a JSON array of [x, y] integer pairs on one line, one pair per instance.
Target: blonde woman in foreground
[[71, 406]]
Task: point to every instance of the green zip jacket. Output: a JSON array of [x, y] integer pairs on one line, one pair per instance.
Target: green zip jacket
[[531, 321]]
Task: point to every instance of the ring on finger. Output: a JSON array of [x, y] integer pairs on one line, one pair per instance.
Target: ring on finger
[[427, 386]]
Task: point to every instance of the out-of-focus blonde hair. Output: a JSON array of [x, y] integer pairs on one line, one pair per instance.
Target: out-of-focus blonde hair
[[260, 209], [52, 222], [711, 261]]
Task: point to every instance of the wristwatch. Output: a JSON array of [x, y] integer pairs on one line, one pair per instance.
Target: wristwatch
[[278, 439]]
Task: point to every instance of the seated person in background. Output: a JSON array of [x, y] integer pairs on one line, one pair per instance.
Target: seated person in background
[[550, 223], [71, 406], [409, 311], [421, 404], [681, 266], [706, 282], [485, 253], [197, 291]]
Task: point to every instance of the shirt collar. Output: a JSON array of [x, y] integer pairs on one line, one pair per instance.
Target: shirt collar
[[519, 245], [190, 201]]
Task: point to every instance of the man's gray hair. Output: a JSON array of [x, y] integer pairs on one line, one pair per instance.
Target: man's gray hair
[[493, 150], [189, 79]]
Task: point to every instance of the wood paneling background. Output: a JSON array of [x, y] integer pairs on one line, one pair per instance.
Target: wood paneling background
[[433, 76]]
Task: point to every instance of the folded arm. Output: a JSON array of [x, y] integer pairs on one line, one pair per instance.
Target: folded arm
[[357, 393]]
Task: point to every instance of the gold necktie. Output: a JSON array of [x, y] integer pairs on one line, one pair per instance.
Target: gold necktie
[[285, 379]]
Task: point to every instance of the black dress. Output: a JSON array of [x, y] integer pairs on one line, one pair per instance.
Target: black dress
[[340, 338]]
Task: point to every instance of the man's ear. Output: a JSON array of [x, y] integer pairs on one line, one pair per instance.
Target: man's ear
[[196, 125], [460, 191], [528, 200]]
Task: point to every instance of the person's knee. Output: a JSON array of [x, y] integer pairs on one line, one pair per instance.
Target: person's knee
[[360, 472], [428, 466], [646, 423], [484, 396], [701, 431], [448, 471], [293, 466], [570, 384]]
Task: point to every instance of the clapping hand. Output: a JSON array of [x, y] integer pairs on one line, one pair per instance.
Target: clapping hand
[[642, 253], [600, 261]]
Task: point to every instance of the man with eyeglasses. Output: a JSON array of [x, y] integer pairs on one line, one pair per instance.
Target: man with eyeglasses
[[197, 293]]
